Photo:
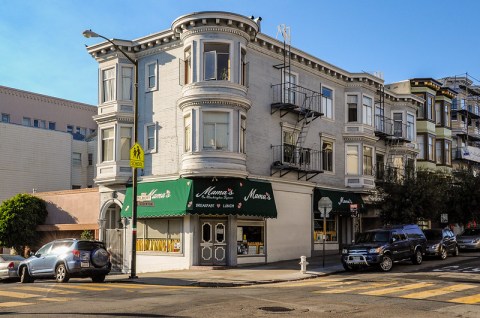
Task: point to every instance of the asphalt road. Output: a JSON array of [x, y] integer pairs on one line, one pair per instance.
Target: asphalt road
[[449, 288]]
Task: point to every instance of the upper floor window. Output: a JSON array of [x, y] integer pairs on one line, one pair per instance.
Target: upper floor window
[[151, 76], [82, 131], [90, 159], [52, 125], [367, 161], [108, 139], [42, 123], [410, 127], [438, 113], [421, 146], [215, 130], [327, 102], [439, 151], [26, 121], [244, 68], [431, 148], [446, 115], [151, 137], [216, 61], [243, 134], [367, 110], [108, 85], [70, 129], [188, 65], [290, 137], [380, 119], [289, 87], [352, 104], [127, 83], [379, 166], [125, 142], [187, 120], [429, 107], [327, 155], [352, 160], [448, 152], [76, 158], [398, 124], [5, 118]]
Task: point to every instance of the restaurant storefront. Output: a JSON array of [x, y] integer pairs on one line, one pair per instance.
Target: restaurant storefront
[[341, 224], [200, 221]]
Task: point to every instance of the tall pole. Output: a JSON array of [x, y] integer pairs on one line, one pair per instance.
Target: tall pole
[[133, 264], [324, 233]]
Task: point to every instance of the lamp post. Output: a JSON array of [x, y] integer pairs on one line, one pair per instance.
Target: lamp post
[[326, 204], [133, 266]]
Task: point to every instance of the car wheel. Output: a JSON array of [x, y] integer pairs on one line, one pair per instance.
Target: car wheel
[[347, 267], [61, 274], [387, 263], [25, 276], [100, 257], [417, 258], [456, 252], [98, 278], [443, 253]]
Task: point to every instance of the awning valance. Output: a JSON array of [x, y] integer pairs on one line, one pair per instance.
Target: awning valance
[[341, 200], [202, 196]]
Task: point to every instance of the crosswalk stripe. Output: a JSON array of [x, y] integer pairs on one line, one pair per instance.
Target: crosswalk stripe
[[313, 282], [82, 287], [350, 288], [120, 285], [392, 290], [14, 304], [474, 299], [55, 299], [17, 295], [438, 291], [46, 290]]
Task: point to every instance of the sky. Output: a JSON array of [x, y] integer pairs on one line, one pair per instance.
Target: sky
[[42, 49]]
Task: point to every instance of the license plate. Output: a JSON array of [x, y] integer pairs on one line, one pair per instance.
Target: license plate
[[85, 264], [462, 246]]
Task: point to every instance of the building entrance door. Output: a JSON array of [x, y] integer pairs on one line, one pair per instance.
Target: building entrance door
[[213, 242]]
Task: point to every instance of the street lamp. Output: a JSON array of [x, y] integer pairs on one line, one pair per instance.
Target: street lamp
[[326, 204], [133, 266]]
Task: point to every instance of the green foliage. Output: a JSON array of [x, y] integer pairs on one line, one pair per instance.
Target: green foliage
[[19, 217], [86, 235], [464, 201]]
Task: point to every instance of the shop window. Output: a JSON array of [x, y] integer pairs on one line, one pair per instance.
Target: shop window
[[250, 239], [216, 61], [160, 235], [331, 228]]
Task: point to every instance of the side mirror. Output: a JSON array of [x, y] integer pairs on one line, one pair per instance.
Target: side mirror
[[31, 253], [38, 255], [392, 240]]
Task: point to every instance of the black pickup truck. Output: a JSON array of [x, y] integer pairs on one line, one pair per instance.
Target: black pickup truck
[[382, 247]]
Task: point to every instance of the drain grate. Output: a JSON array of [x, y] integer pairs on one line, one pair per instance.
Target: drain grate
[[276, 309]]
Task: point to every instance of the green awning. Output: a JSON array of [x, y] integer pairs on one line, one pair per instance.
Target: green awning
[[341, 200], [223, 196]]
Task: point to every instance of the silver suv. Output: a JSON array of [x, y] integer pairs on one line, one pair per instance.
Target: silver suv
[[66, 258]]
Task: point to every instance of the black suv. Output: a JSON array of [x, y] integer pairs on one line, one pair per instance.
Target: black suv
[[66, 258], [383, 247]]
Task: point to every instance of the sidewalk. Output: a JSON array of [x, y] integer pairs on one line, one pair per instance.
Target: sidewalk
[[238, 276]]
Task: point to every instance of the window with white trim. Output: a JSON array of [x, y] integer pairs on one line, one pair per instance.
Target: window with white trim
[[216, 61], [151, 76], [127, 83], [290, 137], [352, 105], [398, 124], [188, 65], [5, 118], [439, 152], [160, 235], [327, 155], [448, 152], [327, 102], [367, 161], [108, 85], [410, 127], [76, 158], [125, 142], [108, 139], [26, 121], [216, 130], [431, 149], [352, 160], [151, 137], [367, 110], [243, 134], [187, 120], [421, 147], [289, 87]]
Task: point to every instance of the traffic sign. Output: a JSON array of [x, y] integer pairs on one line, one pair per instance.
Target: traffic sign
[[325, 206], [137, 156]]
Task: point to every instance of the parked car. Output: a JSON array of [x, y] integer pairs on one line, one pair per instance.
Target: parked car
[[441, 242], [382, 247], [469, 239], [9, 266], [67, 258]]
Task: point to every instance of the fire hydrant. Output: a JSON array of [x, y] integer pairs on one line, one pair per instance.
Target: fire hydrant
[[303, 264]]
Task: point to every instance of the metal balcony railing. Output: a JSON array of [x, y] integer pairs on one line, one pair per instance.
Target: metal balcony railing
[[288, 158], [392, 129], [288, 95]]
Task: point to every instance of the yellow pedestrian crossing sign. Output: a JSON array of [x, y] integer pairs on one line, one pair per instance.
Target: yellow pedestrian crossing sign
[[137, 156]]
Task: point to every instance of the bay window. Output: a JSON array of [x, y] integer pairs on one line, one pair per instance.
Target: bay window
[[410, 127], [352, 160], [127, 83], [439, 152], [448, 152], [421, 146], [250, 238], [243, 133], [397, 124], [216, 61], [108, 138], [125, 142], [430, 148], [367, 161], [108, 85], [352, 101], [188, 133], [367, 110], [215, 130]]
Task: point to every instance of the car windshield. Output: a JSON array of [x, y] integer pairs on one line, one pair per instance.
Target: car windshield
[[433, 235], [471, 232], [372, 237]]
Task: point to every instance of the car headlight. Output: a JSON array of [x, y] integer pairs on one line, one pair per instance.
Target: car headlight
[[435, 246], [344, 251], [378, 250], [476, 240]]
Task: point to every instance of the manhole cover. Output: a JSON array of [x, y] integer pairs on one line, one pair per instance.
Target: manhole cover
[[276, 309]]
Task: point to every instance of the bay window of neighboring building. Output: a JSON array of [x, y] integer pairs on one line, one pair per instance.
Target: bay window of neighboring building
[[125, 142], [327, 155], [52, 125], [398, 124], [380, 119], [151, 137], [160, 235], [187, 121], [216, 62], [448, 153], [429, 105], [327, 102], [410, 126], [353, 167], [243, 134], [379, 166], [431, 148], [127, 83], [244, 68], [367, 110], [151, 70], [367, 161], [108, 85], [108, 139], [439, 151], [216, 127], [352, 105], [421, 147], [447, 121]]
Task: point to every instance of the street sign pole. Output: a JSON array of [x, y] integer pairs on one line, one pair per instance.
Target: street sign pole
[[326, 204]]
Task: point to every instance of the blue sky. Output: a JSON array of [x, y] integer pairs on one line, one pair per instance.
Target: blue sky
[[42, 48]]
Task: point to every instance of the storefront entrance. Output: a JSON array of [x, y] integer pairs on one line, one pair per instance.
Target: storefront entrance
[[213, 242]]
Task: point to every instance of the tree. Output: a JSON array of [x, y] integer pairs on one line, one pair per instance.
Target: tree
[[86, 235], [465, 199], [19, 218]]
